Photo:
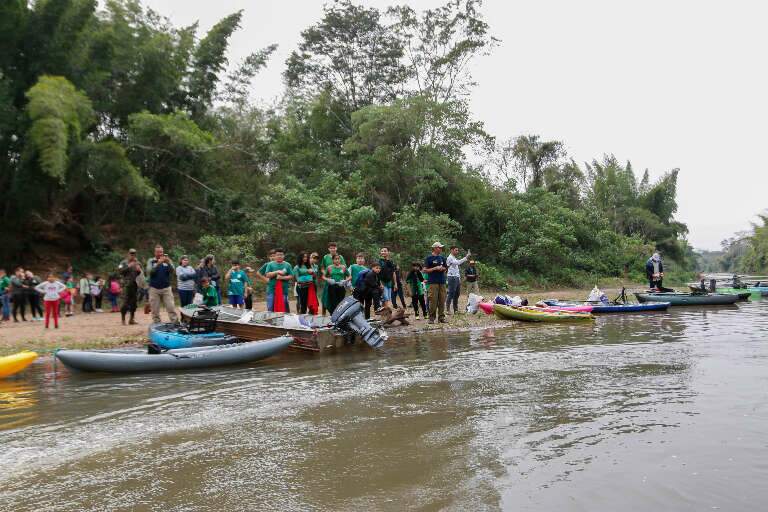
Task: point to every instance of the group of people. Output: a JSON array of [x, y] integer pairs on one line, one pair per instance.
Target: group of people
[[319, 285], [23, 288]]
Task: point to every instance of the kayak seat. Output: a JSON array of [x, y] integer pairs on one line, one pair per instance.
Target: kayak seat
[[202, 321]]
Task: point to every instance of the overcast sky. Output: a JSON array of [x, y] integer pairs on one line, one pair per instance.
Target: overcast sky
[[663, 84]]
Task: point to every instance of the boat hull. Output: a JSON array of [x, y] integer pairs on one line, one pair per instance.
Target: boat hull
[[530, 315], [685, 299], [624, 308], [133, 361], [15, 363]]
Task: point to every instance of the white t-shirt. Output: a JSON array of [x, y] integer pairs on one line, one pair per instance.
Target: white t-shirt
[[50, 291]]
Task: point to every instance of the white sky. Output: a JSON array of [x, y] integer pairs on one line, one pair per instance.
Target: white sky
[[665, 84]]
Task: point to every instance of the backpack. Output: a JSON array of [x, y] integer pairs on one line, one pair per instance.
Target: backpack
[[114, 288], [361, 277]]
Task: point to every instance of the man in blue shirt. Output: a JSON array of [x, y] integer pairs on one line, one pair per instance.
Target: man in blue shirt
[[435, 265], [160, 270]]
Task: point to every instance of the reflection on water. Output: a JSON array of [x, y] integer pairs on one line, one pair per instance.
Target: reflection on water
[[18, 398], [635, 412]]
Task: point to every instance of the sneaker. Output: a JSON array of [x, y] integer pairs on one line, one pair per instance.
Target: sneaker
[[99, 310]]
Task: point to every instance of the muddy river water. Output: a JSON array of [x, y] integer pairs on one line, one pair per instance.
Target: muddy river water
[[665, 411]]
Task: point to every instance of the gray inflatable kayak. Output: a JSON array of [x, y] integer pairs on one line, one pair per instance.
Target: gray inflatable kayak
[[129, 361]]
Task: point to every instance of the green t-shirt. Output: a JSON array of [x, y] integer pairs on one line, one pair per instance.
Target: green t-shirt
[[210, 297], [272, 266], [354, 271], [303, 274], [337, 273], [237, 281], [327, 261], [5, 282]]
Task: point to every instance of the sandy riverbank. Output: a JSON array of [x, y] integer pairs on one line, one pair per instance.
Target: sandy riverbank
[[104, 330]]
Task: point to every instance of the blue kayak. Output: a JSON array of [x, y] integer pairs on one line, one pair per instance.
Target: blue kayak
[[172, 336], [598, 307]]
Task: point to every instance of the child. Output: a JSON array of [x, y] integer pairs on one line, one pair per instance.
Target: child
[[416, 281], [210, 295], [359, 266], [85, 292], [97, 286], [5, 296], [336, 277], [237, 280], [368, 289], [113, 292], [69, 298], [51, 290]]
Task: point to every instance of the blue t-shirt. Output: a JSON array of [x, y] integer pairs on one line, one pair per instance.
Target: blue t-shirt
[[436, 261]]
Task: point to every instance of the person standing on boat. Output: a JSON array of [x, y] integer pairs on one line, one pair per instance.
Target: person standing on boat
[[454, 278], [436, 266], [326, 262], [159, 269], [654, 270], [280, 274], [186, 276], [130, 269]]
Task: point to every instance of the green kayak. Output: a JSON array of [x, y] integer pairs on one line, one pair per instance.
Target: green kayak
[[688, 299], [527, 314]]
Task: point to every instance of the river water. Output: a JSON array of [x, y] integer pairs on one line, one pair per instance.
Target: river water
[[665, 411]]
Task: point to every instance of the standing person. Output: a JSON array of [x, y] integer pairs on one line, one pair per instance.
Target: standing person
[[398, 292], [159, 269], [209, 269], [280, 275], [19, 295], [33, 297], [435, 265], [336, 277], [313, 303], [237, 280], [186, 277], [67, 274], [472, 275], [387, 277], [85, 293], [367, 288], [326, 262], [654, 271], [357, 267], [97, 292], [130, 269], [69, 296], [304, 273], [5, 296], [454, 278], [416, 282], [208, 291], [113, 292], [51, 290]]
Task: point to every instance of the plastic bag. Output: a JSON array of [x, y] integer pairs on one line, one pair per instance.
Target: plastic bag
[[197, 299], [472, 303]]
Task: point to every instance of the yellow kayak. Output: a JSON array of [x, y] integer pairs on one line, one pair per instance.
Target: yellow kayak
[[527, 314], [10, 365]]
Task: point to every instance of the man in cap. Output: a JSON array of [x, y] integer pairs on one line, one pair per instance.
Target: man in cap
[[130, 270], [654, 271], [435, 265]]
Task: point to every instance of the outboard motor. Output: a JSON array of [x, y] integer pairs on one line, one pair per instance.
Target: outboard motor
[[349, 316]]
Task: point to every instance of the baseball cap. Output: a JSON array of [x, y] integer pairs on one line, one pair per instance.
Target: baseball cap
[[437, 244]]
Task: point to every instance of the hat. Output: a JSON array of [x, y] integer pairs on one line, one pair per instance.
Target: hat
[[132, 251], [437, 244]]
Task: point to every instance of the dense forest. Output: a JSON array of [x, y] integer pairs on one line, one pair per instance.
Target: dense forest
[[118, 128], [745, 253]]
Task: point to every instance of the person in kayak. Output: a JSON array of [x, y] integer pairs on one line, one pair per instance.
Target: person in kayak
[[654, 271]]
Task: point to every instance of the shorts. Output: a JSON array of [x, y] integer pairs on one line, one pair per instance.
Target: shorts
[[386, 293], [236, 300]]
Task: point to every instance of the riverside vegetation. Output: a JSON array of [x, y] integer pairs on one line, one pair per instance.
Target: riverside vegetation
[[117, 126]]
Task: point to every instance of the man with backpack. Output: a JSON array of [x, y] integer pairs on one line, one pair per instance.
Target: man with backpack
[[368, 288]]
